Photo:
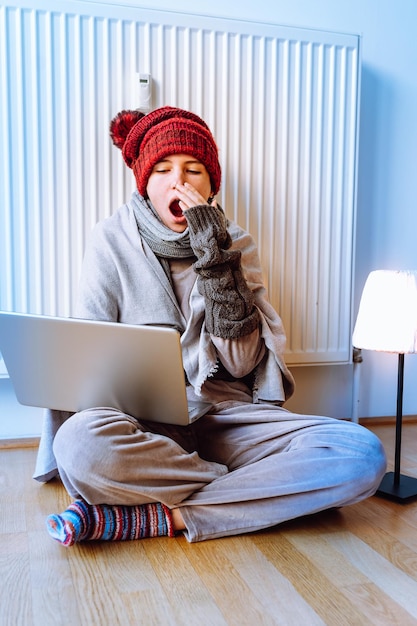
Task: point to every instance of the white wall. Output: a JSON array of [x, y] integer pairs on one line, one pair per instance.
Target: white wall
[[387, 182], [17, 421]]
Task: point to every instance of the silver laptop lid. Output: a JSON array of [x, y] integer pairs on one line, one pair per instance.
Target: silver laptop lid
[[72, 364]]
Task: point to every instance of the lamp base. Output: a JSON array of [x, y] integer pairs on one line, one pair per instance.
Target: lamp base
[[405, 491]]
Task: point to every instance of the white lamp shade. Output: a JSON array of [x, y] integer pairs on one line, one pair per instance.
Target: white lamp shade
[[387, 317]]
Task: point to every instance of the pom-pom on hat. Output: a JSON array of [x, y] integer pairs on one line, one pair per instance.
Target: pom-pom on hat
[[147, 139]]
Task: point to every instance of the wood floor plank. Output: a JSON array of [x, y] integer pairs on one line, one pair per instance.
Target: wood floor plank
[[136, 580], [314, 585], [372, 601], [189, 599], [377, 608], [393, 544], [354, 566], [98, 601], [280, 601], [313, 544], [15, 585], [145, 608], [214, 562], [395, 583], [54, 600], [12, 490]]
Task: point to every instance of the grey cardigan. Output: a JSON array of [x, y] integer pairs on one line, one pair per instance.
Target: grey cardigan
[[122, 280]]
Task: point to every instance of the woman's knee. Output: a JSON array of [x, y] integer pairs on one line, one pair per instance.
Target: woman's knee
[[368, 459], [376, 458], [82, 438]]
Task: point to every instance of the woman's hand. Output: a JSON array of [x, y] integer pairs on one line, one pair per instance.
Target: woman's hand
[[190, 197]]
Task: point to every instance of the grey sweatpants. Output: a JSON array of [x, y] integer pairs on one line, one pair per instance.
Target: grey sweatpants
[[241, 468]]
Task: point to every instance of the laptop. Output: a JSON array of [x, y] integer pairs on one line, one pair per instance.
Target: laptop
[[73, 364]]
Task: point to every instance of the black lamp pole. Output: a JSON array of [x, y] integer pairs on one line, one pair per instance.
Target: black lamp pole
[[395, 486]]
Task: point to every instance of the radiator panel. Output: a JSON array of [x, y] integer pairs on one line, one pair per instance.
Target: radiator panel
[[281, 102]]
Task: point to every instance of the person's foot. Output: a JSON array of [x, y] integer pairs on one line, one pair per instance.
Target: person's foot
[[82, 521]]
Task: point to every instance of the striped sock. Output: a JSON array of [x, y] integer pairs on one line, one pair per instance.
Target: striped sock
[[82, 521]]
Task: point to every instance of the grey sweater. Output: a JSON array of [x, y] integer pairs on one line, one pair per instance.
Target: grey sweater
[[123, 281]]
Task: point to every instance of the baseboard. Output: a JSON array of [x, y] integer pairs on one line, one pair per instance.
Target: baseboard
[[20, 442], [386, 420]]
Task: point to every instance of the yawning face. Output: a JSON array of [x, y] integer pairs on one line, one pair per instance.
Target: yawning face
[[174, 170], [175, 208]]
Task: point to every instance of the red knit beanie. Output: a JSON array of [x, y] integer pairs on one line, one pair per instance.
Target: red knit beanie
[[147, 139]]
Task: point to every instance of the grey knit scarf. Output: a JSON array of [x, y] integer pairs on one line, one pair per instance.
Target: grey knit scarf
[[164, 242]]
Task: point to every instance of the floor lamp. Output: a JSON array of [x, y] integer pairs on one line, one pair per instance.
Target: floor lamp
[[387, 322]]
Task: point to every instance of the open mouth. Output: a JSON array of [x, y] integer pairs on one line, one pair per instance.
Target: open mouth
[[175, 209]]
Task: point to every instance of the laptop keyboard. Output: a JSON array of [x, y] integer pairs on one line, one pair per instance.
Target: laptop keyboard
[[193, 412]]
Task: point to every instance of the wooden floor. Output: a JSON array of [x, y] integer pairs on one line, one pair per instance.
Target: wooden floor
[[356, 565]]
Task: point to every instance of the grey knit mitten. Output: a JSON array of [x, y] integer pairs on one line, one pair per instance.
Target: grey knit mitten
[[230, 310]]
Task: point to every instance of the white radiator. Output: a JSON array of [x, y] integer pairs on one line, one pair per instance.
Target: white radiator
[[282, 104]]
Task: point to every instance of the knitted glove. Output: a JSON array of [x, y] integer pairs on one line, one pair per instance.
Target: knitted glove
[[230, 310]]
